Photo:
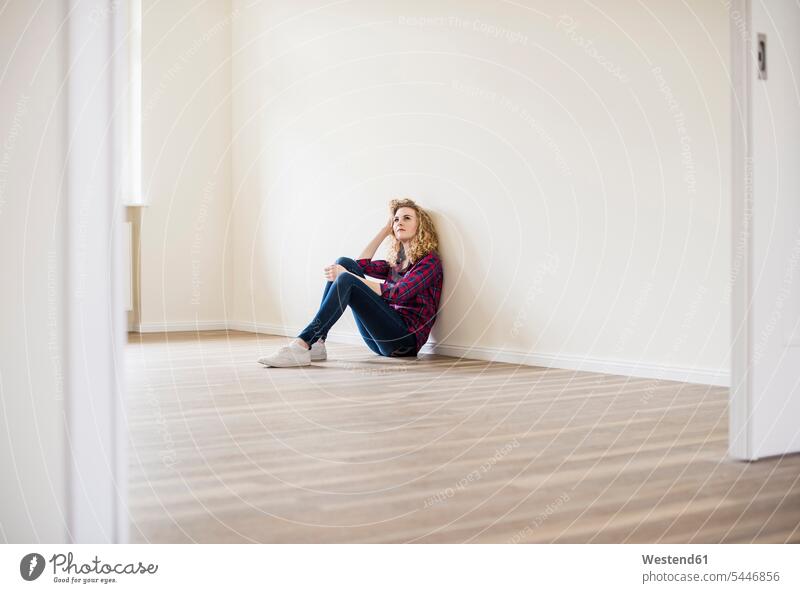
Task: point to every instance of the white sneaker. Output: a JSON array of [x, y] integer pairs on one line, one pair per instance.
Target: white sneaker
[[318, 351], [288, 356]]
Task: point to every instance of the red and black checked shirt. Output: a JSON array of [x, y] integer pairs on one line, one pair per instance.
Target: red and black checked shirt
[[414, 294]]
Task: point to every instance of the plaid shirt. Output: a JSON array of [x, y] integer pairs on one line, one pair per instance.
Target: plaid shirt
[[414, 294]]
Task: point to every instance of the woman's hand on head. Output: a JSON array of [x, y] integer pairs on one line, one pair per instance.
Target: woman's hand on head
[[388, 229], [333, 271]]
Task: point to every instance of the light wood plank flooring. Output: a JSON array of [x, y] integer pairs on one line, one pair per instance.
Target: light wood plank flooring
[[368, 449]]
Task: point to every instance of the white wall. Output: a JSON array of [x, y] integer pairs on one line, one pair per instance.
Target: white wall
[[186, 81], [577, 161], [32, 216]]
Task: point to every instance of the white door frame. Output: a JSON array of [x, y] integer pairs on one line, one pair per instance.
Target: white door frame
[[764, 392], [96, 433], [739, 424]]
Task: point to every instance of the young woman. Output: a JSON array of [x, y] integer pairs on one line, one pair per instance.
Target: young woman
[[394, 316]]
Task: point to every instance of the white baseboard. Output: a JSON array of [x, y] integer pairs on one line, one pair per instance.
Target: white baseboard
[[718, 377], [595, 365], [180, 326]]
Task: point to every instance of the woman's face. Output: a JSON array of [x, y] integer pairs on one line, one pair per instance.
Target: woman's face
[[405, 223]]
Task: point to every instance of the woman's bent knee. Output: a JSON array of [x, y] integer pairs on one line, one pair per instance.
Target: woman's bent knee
[[350, 265], [344, 277]]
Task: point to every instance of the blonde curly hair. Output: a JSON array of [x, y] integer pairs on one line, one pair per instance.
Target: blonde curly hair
[[425, 241]]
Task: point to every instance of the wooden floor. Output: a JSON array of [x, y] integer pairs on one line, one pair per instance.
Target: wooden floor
[[367, 449]]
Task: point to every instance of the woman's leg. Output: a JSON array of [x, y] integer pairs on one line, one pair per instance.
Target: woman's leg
[[398, 343], [351, 266], [383, 329], [382, 324]]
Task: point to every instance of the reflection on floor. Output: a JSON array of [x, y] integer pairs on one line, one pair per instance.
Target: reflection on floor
[[367, 449]]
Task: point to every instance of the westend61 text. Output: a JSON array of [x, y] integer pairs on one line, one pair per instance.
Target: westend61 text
[[96, 566], [691, 559]]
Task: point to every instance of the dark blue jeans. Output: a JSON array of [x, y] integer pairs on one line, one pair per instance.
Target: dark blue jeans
[[382, 328]]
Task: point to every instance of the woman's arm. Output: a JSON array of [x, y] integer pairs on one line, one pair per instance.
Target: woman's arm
[[369, 250]]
